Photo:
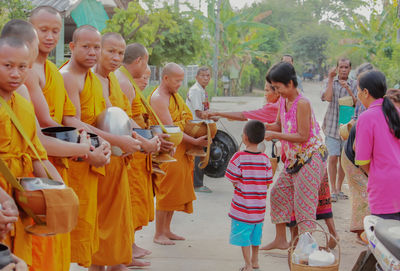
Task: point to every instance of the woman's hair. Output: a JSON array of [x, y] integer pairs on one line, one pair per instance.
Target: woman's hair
[[282, 72], [394, 95], [366, 66], [375, 83]]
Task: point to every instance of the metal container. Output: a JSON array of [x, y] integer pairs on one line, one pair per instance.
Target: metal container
[[69, 134], [115, 121], [175, 133], [33, 184], [5, 256], [144, 133]]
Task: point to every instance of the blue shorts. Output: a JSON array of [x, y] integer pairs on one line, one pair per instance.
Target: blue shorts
[[245, 234], [334, 146]]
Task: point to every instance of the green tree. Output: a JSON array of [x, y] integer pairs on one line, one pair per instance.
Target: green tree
[[14, 9]]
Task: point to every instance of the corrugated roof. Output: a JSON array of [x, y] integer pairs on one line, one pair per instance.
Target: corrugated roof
[[60, 5], [66, 5]]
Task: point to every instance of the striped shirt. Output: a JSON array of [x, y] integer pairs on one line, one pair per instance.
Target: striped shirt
[[251, 173]]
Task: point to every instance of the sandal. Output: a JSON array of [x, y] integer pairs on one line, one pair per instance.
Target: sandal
[[203, 189], [342, 195], [334, 198]]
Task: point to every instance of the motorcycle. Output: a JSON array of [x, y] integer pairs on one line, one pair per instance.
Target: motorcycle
[[383, 252]]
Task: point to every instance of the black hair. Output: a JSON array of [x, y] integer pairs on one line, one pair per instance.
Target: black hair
[[375, 83], [343, 59], [282, 72], [255, 131], [202, 69], [287, 55]]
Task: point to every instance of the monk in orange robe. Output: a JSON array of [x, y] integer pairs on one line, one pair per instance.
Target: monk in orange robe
[[140, 171], [14, 150], [174, 191], [51, 252], [86, 92]]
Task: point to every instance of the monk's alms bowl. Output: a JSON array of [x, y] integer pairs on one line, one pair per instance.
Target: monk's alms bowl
[[115, 121], [69, 134], [35, 198], [175, 133], [148, 134], [198, 128]]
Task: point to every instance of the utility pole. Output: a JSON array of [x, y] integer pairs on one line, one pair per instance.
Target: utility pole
[[216, 49], [398, 15]]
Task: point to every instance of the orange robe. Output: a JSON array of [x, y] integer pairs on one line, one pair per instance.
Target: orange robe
[[114, 208], [18, 157], [140, 174], [84, 178], [174, 190], [58, 252]]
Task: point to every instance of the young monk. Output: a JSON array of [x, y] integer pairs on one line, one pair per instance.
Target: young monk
[[14, 150], [140, 172], [174, 191], [86, 92], [55, 250], [114, 246]]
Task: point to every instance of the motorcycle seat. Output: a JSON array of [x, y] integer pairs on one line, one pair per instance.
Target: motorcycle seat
[[388, 232]]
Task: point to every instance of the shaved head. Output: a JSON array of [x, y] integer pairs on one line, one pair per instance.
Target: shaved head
[[83, 28], [171, 69], [111, 35], [19, 29], [13, 42], [134, 51], [36, 11]]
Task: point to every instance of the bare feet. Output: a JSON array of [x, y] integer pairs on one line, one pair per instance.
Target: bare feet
[[138, 252], [163, 240], [138, 263], [119, 267], [173, 236], [276, 245]]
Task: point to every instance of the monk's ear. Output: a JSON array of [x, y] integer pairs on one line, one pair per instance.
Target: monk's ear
[[71, 46]]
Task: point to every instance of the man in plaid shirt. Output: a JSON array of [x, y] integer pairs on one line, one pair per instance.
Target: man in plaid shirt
[[339, 85]]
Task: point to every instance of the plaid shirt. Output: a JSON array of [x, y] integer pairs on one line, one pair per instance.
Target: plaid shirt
[[330, 125]]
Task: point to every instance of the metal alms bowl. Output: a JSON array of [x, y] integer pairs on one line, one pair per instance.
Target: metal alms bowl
[[69, 134], [144, 133], [33, 184], [114, 121]]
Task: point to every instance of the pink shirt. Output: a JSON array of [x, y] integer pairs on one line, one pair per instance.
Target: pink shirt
[[375, 144], [265, 114]]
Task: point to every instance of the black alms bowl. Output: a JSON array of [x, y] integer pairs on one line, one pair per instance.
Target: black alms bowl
[[69, 134]]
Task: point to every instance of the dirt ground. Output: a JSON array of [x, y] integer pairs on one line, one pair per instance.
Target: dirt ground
[[207, 229]]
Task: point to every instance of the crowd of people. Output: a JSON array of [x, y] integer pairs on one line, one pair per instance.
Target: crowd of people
[[120, 194]]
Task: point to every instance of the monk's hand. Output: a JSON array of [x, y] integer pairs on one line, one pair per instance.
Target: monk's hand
[[10, 267], [128, 144], [201, 141], [100, 156], [152, 145], [166, 146], [20, 265]]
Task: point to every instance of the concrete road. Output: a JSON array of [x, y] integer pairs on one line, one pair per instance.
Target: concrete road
[[207, 229]]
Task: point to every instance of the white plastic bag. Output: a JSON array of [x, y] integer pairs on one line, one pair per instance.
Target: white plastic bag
[[305, 246], [321, 258]]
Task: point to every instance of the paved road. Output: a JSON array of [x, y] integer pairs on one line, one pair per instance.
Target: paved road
[[207, 229]]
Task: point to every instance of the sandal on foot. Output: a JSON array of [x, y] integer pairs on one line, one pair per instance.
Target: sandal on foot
[[203, 189], [334, 198], [342, 195]]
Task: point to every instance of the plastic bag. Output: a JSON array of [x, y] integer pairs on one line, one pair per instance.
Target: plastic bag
[[305, 246], [321, 258]]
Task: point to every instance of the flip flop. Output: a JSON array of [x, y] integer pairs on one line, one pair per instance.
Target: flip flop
[[342, 195], [334, 198], [203, 189]]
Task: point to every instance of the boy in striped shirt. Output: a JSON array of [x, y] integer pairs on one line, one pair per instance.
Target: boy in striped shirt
[[250, 173]]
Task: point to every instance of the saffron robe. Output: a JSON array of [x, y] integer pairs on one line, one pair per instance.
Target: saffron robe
[[83, 178], [174, 190], [140, 174], [56, 254], [114, 202], [17, 155]]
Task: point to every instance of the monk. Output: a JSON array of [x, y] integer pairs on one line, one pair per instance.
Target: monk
[[140, 172], [50, 252], [174, 191], [86, 92], [14, 150]]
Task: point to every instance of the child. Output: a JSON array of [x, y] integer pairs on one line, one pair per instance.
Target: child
[[250, 173]]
